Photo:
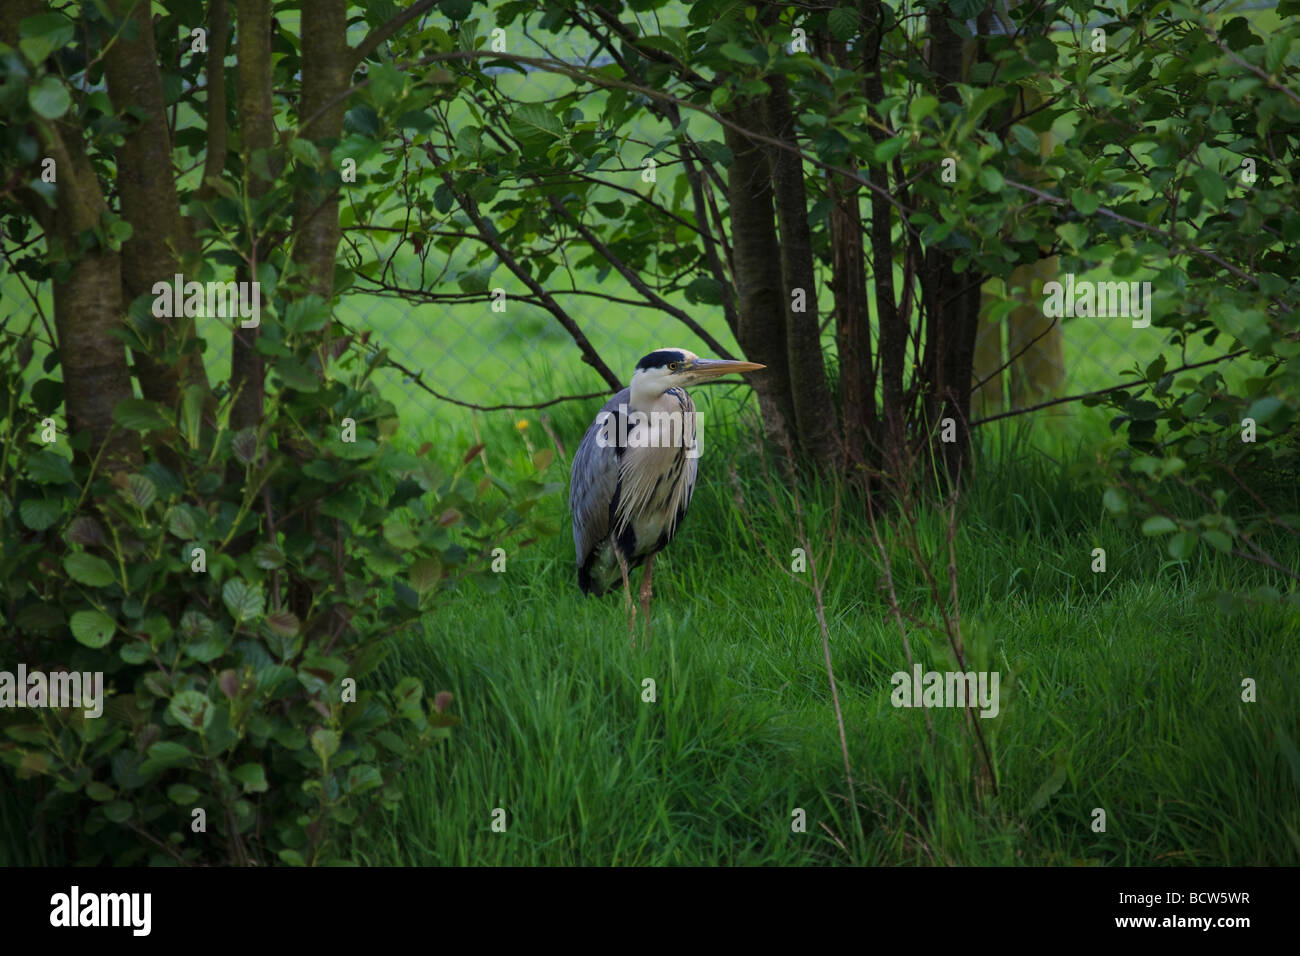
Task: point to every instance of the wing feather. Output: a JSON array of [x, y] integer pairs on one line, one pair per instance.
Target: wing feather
[[592, 482]]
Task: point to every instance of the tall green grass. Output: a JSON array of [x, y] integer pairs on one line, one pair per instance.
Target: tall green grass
[[1120, 691]]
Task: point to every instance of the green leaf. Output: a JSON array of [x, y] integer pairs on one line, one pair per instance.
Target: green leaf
[[283, 623], [1194, 404], [169, 753], [843, 23], [45, 34], [195, 624], [1218, 540], [99, 791], [716, 152], [476, 280], [325, 743], [1279, 44], [304, 152], [252, 776], [49, 98], [88, 569], [1084, 201], [740, 54], [386, 83], [206, 646], [425, 574], [346, 506], [92, 628], [705, 290], [889, 149], [469, 141], [984, 99], [244, 445], [991, 179], [1158, 524], [1026, 137], [119, 811], [1115, 501], [408, 693], [361, 778], [296, 375], [534, 124], [311, 313], [137, 652], [40, 513], [399, 534], [140, 491], [180, 523], [140, 415], [1182, 545], [47, 394], [1075, 234], [49, 468], [443, 199], [1211, 185], [183, 794], [455, 9], [192, 414], [268, 556], [244, 601], [921, 107], [192, 710], [1263, 409]]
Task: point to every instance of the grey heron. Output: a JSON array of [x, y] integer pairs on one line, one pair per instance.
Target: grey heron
[[634, 473]]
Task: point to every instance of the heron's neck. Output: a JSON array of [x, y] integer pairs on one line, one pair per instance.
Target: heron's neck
[[644, 396]]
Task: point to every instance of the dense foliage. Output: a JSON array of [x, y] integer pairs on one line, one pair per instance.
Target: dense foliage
[[237, 615]]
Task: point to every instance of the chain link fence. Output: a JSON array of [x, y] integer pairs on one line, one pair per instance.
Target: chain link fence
[[521, 356]]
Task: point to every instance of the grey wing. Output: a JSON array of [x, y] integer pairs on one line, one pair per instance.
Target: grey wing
[[593, 480], [692, 470], [693, 459]]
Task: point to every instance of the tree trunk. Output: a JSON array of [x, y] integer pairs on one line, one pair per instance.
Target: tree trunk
[[760, 325], [88, 296], [814, 415], [856, 378], [325, 69], [214, 160], [87, 306], [253, 50], [892, 434], [149, 202], [952, 300]]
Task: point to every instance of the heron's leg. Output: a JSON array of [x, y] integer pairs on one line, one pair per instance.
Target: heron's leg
[[646, 593], [627, 594]]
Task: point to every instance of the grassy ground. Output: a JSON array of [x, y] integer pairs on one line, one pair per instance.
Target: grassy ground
[[1120, 691]]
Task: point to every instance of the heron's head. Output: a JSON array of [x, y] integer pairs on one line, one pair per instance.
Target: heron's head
[[669, 368]]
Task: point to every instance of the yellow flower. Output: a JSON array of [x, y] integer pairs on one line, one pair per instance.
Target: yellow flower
[[521, 424]]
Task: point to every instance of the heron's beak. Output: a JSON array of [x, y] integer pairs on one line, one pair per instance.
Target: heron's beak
[[710, 368]]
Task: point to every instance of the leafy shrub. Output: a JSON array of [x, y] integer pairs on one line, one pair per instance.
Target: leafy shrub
[[1212, 218], [236, 591]]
